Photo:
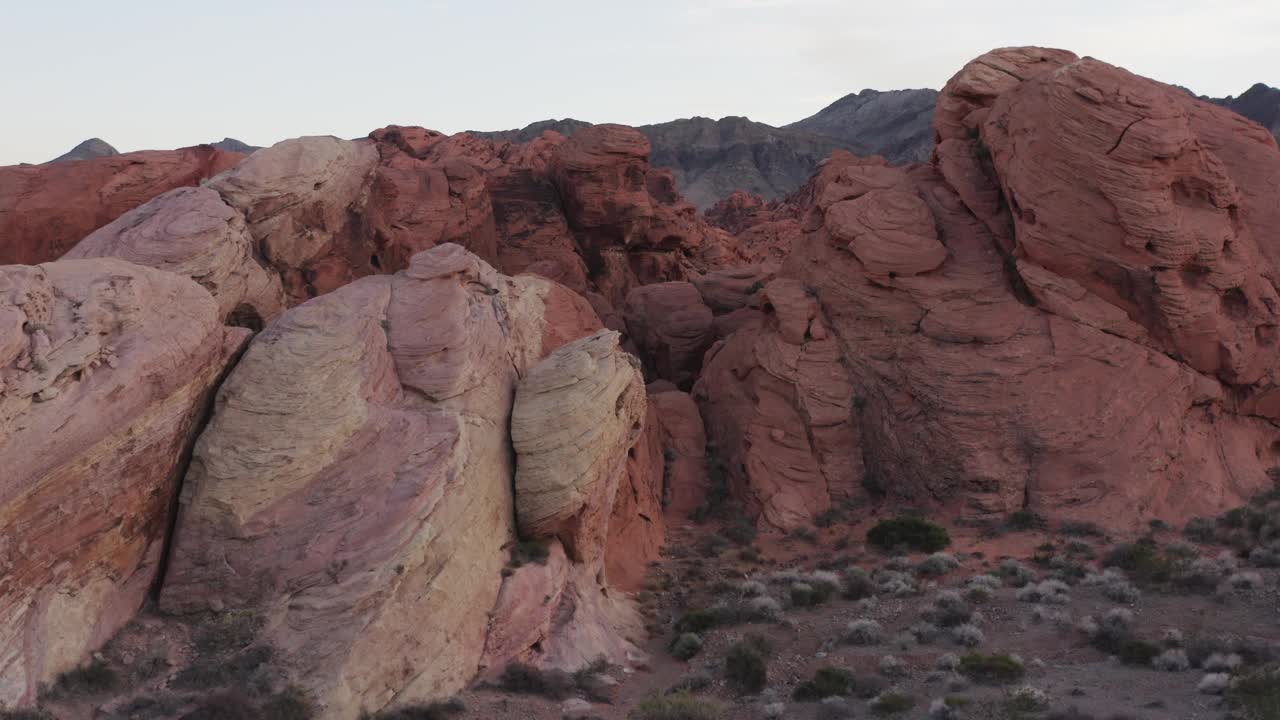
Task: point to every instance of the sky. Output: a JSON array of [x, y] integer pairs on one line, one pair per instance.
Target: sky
[[144, 74]]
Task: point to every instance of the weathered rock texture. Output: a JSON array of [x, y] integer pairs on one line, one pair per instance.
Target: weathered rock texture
[[671, 328], [362, 507], [192, 232], [574, 418], [1072, 311], [630, 222], [105, 372], [46, 209], [311, 214]]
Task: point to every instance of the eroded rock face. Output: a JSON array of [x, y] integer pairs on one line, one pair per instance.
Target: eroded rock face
[[192, 232], [632, 225], [105, 370], [684, 446], [1069, 312], [575, 416], [363, 507], [46, 209], [671, 329]]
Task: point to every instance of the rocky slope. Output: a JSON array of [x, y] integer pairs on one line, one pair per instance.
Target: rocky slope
[[897, 124], [87, 150], [1260, 103]]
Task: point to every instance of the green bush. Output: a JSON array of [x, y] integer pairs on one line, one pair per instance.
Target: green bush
[[826, 682], [93, 679], [1024, 520], [891, 702], [909, 531], [525, 679], [679, 706], [1134, 651], [994, 668], [439, 710], [1256, 695], [746, 668], [697, 621], [685, 646], [1145, 563], [529, 551]]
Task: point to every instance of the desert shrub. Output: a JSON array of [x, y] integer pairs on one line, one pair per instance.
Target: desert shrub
[[1200, 529], [224, 705], [1244, 581], [991, 669], [685, 646], [967, 635], [679, 706], [697, 621], [226, 632], [1220, 662], [239, 670], [827, 682], [1256, 695], [526, 679], [891, 666], [1053, 592], [909, 531], [746, 668], [858, 584], [803, 534], [529, 551], [1265, 555], [949, 609], [924, 632], [95, 678], [1015, 573], [892, 702], [1145, 564], [1172, 660], [1214, 683], [32, 714], [938, 563], [1081, 529], [1023, 520], [1025, 699], [691, 682], [439, 710], [863, 631]]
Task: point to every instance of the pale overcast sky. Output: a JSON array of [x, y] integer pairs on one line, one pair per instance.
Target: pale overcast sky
[[167, 73]]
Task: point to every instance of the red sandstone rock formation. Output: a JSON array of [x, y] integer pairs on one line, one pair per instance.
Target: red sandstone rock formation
[[1070, 312], [671, 329], [46, 209], [105, 372]]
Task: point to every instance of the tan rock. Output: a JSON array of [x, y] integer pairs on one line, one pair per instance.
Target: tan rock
[[192, 232], [362, 507]]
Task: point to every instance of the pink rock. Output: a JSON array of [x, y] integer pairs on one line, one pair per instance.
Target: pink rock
[[363, 507], [105, 372]]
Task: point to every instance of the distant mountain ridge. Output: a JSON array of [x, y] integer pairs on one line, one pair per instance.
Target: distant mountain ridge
[[712, 158], [97, 147], [87, 150], [1260, 103]]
